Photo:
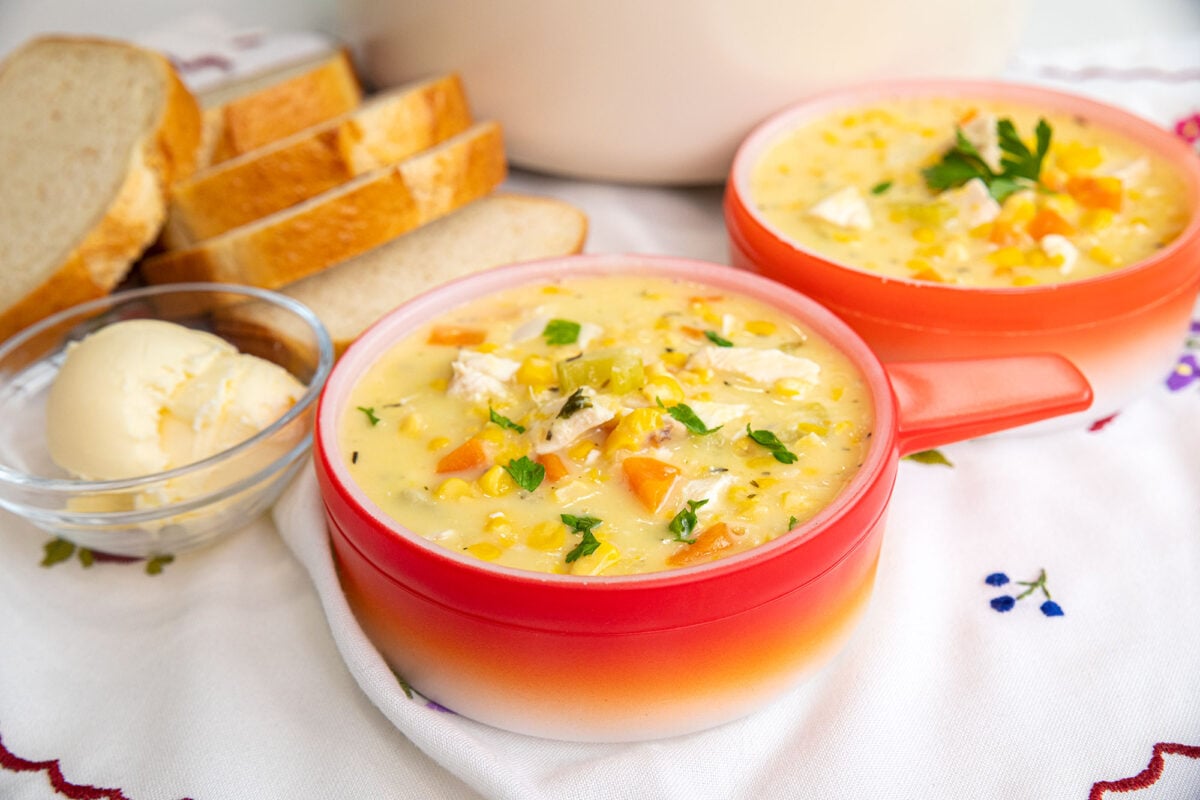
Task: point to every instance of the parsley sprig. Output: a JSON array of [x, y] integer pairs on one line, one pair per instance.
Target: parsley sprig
[[718, 339], [577, 402], [683, 414], [772, 443], [526, 473], [504, 422], [561, 331], [1019, 166], [371, 416], [582, 525], [683, 524]]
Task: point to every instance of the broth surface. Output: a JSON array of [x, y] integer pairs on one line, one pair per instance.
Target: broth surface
[[607, 425]]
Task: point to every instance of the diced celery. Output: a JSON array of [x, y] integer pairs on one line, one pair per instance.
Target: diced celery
[[617, 370]]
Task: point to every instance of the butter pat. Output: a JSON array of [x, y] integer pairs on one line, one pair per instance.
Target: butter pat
[[143, 396]]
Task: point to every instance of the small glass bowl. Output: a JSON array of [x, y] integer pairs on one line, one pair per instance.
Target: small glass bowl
[[225, 491]]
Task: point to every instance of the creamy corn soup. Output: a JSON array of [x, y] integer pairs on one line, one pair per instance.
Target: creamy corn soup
[[607, 425], [969, 192]]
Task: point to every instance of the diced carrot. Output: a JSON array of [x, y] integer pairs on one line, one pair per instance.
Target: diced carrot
[[555, 468], [650, 479], [695, 333], [708, 545], [971, 113], [709, 298], [468, 455], [1004, 234], [1048, 221], [1096, 192], [456, 335]]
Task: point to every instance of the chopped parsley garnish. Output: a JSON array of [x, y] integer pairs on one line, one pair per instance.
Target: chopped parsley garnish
[[684, 523], [718, 339], [881, 187], [504, 422], [1020, 166], [792, 522], [526, 473], [370, 412], [561, 331], [683, 414], [577, 402], [582, 525], [772, 443]]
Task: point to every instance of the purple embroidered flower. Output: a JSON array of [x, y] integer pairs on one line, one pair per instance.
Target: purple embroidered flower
[[437, 707], [996, 579], [1188, 129], [1003, 603], [1051, 609], [1186, 372]]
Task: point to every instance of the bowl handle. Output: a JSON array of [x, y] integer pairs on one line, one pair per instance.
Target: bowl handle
[[939, 402]]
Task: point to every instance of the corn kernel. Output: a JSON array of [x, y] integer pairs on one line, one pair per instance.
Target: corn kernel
[[499, 525], [1102, 255], [844, 427], [1006, 257], [438, 442], [675, 358], [844, 236], [932, 251], [1018, 210], [1037, 258], [741, 492], [496, 482], [487, 347], [1075, 157], [664, 388], [918, 264], [546, 536], [1097, 219], [703, 397], [925, 235], [766, 481], [439, 384], [597, 561], [662, 324], [494, 434], [633, 430], [829, 137], [849, 121], [552, 289], [536, 371], [453, 489], [790, 387], [795, 501], [580, 450], [760, 327], [836, 392], [762, 462], [1024, 280], [412, 424], [484, 551], [813, 428]]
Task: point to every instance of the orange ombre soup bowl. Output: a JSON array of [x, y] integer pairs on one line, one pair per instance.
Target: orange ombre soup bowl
[[613, 658], [1122, 329]]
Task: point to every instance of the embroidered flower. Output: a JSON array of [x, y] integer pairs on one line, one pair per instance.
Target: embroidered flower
[[1188, 129], [1007, 602]]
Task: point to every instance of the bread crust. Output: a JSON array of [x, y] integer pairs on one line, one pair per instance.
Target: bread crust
[[291, 170], [100, 260], [245, 123], [346, 221]]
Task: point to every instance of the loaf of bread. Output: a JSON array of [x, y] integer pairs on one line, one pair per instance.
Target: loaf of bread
[[349, 297], [385, 129], [91, 135], [347, 220], [490, 232], [244, 115]]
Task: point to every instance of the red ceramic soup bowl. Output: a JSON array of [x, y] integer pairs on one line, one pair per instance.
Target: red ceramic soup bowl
[[657, 654], [1123, 329]]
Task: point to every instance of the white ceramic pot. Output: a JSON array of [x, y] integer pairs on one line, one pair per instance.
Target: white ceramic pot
[[662, 91]]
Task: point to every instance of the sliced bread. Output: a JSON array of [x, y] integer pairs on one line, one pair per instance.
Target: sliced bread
[[385, 129], [92, 134], [247, 114], [347, 220], [496, 230]]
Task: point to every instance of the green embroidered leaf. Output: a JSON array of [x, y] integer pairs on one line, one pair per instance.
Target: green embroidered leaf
[[527, 474], [57, 551], [154, 566], [929, 457], [561, 331], [717, 339], [772, 443], [86, 557], [370, 412], [504, 422], [684, 523]]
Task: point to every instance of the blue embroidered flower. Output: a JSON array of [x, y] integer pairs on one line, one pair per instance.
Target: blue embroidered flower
[[1051, 609], [1006, 602], [1003, 603]]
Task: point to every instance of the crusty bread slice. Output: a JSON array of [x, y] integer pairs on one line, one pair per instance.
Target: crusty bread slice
[[92, 133], [385, 129], [496, 230], [345, 221], [247, 114]]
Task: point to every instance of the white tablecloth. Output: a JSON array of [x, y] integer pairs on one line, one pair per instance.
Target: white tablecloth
[[238, 672]]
